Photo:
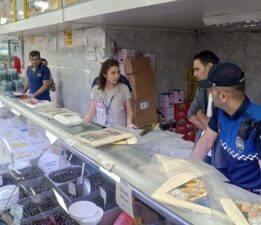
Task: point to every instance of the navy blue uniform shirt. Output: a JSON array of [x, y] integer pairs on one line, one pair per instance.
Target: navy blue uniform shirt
[[242, 155], [36, 79]]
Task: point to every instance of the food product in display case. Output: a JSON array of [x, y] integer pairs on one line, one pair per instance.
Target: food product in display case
[[193, 191], [6, 11], [68, 119], [242, 212], [35, 7], [251, 211], [33, 102], [50, 112], [187, 191], [69, 2], [102, 137]]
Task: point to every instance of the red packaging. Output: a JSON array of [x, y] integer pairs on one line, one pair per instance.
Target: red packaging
[[124, 219], [189, 127], [189, 136]]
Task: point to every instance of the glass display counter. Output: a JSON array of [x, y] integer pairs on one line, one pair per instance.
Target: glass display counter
[[57, 181]]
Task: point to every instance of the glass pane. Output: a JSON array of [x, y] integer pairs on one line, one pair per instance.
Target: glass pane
[[6, 11], [35, 7], [19, 9], [3, 54], [70, 2]]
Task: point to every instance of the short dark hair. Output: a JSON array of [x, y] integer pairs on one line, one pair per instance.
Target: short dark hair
[[206, 57], [104, 69], [34, 53], [44, 60]]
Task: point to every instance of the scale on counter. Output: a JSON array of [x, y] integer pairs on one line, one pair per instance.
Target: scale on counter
[[68, 119]]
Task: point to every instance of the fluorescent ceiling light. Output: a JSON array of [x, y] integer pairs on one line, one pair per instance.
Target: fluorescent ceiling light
[[232, 18]]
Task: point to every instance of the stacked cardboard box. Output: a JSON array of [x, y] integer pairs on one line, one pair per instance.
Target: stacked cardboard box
[[142, 81], [166, 106], [123, 55], [192, 84]]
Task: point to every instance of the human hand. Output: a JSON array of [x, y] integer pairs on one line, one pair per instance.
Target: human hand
[[131, 125]]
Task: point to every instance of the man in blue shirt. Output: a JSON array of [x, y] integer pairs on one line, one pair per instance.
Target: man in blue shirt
[[238, 122], [37, 78]]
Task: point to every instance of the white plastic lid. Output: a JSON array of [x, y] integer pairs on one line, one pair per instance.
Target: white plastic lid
[[96, 218], [19, 165], [83, 209], [7, 191]]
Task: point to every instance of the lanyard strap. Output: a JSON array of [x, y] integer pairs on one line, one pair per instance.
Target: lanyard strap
[[107, 108]]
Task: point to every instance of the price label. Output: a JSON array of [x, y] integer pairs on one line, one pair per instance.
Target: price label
[[103, 195], [52, 138], [72, 189], [32, 128], [17, 212], [124, 197]]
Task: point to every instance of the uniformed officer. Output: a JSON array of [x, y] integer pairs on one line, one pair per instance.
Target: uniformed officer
[[238, 122], [37, 78]]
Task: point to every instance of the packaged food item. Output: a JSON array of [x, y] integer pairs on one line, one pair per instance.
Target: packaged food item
[[243, 207]]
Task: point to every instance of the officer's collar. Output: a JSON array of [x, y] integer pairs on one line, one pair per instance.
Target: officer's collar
[[242, 109], [36, 67]]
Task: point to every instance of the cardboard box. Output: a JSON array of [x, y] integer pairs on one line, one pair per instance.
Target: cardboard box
[[177, 96], [144, 104], [165, 100], [192, 89], [141, 78], [166, 106], [137, 65], [140, 120], [144, 111], [168, 113], [122, 69], [124, 54], [143, 91]]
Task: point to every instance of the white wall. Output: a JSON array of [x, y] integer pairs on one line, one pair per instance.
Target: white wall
[[72, 69]]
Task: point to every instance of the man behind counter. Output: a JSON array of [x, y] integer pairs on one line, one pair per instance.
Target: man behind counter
[[37, 78], [238, 122]]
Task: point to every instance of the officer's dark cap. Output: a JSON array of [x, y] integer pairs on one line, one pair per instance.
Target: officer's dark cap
[[225, 75]]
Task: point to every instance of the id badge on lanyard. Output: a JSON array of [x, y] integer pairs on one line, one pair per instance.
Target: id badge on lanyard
[[107, 109], [101, 114]]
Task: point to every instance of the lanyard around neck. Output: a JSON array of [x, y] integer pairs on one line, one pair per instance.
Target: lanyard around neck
[[107, 107]]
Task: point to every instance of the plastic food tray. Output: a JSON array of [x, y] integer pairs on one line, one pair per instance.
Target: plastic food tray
[[69, 174], [37, 204], [35, 186], [56, 216], [96, 180], [28, 173]]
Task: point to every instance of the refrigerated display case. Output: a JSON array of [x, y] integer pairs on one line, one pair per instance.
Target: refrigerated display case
[[6, 11], [55, 178], [37, 7]]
